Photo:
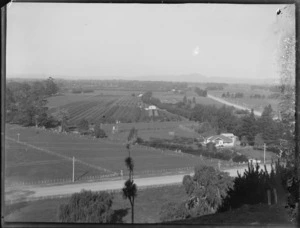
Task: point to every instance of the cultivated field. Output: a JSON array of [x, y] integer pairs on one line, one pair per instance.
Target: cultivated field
[[46, 155], [107, 106]]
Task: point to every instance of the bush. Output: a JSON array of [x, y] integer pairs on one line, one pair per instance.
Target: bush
[[173, 211], [240, 158], [252, 186], [87, 206], [98, 132], [83, 125], [76, 90], [224, 154], [205, 191]]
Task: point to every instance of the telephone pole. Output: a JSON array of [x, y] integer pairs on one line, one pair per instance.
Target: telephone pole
[[73, 179], [18, 137], [264, 153]]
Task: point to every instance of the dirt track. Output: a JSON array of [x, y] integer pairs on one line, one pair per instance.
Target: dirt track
[[34, 192]]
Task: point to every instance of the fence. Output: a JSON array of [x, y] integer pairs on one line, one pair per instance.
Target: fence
[[62, 181]]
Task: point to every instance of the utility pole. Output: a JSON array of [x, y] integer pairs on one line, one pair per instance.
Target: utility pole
[[18, 137], [73, 179], [264, 153]]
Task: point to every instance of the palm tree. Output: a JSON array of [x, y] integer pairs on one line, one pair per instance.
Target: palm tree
[[130, 188]]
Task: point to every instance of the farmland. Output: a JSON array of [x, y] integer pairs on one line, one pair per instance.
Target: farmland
[[107, 107], [47, 155], [170, 97], [165, 130]]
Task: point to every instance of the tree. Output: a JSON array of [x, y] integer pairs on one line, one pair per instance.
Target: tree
[[62, 115], [258, 141], [25, 103], [206, 189], [83, 125], [194, 100], [99, 132], [130, 188], [51, 87], [248, 127], [184, 100], [211, 147], [244, 141], [87, 206], [268, 127]]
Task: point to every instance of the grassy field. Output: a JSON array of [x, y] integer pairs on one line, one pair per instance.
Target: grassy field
[[146, 130], [48, 156], [147, 206]]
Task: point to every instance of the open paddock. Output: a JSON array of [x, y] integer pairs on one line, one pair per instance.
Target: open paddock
[[93, 156]]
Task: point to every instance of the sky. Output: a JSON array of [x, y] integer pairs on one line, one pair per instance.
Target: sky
[[141, 41]]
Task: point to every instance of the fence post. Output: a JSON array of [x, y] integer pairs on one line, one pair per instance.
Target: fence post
[[269, 196], [275, 195]]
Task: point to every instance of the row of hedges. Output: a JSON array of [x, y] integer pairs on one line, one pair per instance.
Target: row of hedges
[[224, 154]]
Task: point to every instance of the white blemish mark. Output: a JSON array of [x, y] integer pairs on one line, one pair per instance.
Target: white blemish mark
[[196, 51]]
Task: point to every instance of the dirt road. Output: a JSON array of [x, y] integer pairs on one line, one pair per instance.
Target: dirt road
[[257, 113], [34, 192]]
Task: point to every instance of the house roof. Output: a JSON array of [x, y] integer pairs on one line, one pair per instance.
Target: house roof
[[222, 137], [228, 134]]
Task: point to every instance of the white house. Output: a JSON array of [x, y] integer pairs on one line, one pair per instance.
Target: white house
[[151, 107], [221, 140], [231, 136]]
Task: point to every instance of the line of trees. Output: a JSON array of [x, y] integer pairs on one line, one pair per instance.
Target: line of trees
[[26, 102], [257, 96], [201, 92], [233, 95]]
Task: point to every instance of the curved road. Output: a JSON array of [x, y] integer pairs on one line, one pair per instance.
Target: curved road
[[257, 113], [35, 192]]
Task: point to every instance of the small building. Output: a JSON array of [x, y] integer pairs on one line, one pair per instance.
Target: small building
[[231, 136], [151, 107], [220, 140]]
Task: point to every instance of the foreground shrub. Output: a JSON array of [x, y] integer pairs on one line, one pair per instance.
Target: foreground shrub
[[240, 158], [205, 191], [252, 187], [173, 211], [87, 207]]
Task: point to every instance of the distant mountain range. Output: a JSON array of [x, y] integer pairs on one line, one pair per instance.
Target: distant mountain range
[[202, 78]]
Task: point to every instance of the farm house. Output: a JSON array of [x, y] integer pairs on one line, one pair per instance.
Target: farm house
[[222, 140]]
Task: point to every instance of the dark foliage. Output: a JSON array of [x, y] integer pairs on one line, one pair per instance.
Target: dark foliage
[[99, 132], [83, 125], [252, 186], [87, 207], [201, 92], [26, 102], [205, 190]]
